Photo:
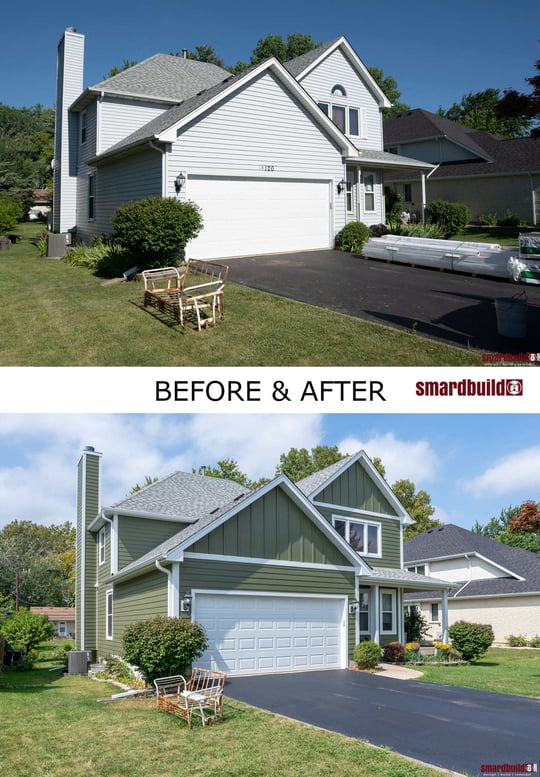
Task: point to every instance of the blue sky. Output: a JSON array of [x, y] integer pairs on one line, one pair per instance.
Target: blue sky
[[473, 466], [437, 52]]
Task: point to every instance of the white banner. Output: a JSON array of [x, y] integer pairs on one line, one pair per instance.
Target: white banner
[[270, 390]]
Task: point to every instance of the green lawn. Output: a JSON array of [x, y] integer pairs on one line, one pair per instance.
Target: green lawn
[[505, 236], [56, 315], [53, 726], [504, 670]]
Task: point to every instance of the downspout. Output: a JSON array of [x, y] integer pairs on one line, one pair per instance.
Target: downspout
[[168, 572], [424, 197], [111, 524], [533, 198], [161, 151]]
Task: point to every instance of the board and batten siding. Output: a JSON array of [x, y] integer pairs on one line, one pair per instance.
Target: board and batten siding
[[356, 488], [390, 535], [273, 527], [137, 536], [226, 576], [336, 69], [119, 118], [134, 600]]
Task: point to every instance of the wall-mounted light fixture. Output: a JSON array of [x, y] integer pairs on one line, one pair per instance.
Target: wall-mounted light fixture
[[342, 185], [185, 604], [179, 182], [353, 607]]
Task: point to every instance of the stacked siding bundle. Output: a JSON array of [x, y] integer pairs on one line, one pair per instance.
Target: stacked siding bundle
[[481, 258]]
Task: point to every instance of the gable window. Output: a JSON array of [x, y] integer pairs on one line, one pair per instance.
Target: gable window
[[338, 116], [363, 536], [91, 196], [109, 614], [388, 612], [369, 192], [350, 120], [339, 90], [101, 546], [83, 127]]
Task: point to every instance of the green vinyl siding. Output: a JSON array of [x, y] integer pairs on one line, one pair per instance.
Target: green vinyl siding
[[229, 576], [137, 536], [356, 488], [134, 600], [86, 549], [273, 527]]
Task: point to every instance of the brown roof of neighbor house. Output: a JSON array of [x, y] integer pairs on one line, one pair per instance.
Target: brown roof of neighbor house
[[494, 155], [55, 613]]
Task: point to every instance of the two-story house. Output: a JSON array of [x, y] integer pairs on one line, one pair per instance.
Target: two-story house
[[283, 578], [278, 158]]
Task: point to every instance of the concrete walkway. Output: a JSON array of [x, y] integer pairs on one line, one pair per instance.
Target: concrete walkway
[[398, 672]]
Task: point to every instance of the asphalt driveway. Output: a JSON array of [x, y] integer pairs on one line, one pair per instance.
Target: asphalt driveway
[[450, 307], [454, 728]]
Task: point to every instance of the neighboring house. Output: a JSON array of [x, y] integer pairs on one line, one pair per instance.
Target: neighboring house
[[62, 618], [279, 157], [282, 578], [496, 584], [489, 174]]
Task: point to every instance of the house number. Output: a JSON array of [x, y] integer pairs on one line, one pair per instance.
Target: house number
[[267, 168]]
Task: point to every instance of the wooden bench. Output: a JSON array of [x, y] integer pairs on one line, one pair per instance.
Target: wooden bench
[[196, 288], [185, 698]]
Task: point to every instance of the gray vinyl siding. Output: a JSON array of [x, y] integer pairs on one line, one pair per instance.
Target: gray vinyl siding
[[137, 536], [119, 118], [336, 69], [135, 600], [273, 527], [226, 576], [130, 178], [87, 151], [355, 488]]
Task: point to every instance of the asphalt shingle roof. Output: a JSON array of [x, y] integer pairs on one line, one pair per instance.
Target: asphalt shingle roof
[[313, 482], [299, 64], [181, 495], [451, 540]]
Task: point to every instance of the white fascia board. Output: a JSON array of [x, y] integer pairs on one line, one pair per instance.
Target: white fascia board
[[299, 499], [466, 555], [363, 459], [170, 135], [344, 44]]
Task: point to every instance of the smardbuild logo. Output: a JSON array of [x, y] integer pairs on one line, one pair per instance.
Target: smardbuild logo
[[509, 387]]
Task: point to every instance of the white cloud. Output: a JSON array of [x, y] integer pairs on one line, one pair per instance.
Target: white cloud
[[515, 472], [39, 453], [413, 460]]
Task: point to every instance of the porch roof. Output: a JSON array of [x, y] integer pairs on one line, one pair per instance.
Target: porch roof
[[376, 158], [409, 581]]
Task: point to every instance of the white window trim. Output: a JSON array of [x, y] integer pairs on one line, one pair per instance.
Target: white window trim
[[350, 519], [392, 593], [371, 193], [362, 118], [109, 614], [101, 546]]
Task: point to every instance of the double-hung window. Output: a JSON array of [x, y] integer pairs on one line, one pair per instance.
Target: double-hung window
[[369, 191], [362, 536], [350, 120], [109, 614], [388, 611], [101, 546]]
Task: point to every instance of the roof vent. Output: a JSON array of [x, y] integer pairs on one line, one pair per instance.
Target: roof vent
[[90, 449]]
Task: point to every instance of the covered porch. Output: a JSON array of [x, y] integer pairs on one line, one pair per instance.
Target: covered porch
[[379, 607]]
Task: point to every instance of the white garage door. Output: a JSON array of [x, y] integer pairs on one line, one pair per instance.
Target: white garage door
[[245, 216], [256, 634]]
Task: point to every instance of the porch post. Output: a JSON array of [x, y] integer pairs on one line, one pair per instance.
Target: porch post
[[424, 201], [445, 617], [400, 616], [376, 606]]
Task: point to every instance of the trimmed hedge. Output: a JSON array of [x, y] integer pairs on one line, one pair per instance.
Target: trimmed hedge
[[366, 655], [452, 217], [353, 237]]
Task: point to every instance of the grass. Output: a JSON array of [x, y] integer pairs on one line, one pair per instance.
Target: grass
[[53, 726], [503, 670], [56, 315], [505, 236]]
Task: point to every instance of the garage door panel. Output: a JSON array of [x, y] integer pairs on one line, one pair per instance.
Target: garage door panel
[[255, 216], [270, 644]]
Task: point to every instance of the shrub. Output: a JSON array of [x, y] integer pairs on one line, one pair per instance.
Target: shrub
[[155, 229], [25, 630], [394, 204], [10, 213], [535, 642], [452, 217], [353, 237], [394, 652], [366, 654], [516, 640], [509, 220], [163, 646], [471, 639], [487, 219], [416, 626]]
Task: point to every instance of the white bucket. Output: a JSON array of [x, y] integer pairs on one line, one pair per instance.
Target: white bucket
[[511, 316]]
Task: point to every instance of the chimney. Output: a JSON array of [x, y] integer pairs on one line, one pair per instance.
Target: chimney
[[69, 85], [184, 53], [88, 506]]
